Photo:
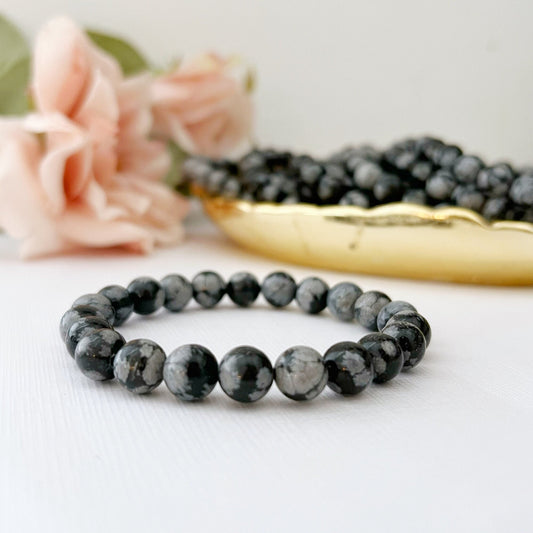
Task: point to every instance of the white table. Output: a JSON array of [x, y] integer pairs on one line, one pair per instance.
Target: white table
[[446, 447]]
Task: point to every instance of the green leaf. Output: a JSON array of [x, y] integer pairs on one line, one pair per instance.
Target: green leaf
[[14, 70], [131, 61], [177, 157]]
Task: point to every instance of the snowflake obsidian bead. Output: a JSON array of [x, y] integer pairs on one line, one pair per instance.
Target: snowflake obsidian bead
[[368, 306], [74, 314], [411, 341], [147, 295], [386, 353], [349, 367], [96, 352], [121, 301], [208, 289], [279, 289], [243, 289], [178, 292], [83, 327], [341, 300], [312, 295], [100, 302]]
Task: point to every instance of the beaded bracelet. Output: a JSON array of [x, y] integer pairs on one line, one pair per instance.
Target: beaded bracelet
[[399, 341]]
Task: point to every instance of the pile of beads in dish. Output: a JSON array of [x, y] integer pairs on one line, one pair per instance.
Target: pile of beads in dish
[[398, 342], [423, 171]]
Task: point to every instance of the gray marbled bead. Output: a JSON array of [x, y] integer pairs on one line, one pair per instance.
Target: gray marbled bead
[[279, 289], [341, 300], [208, 288], [300, 373], [121, 301], [83, 327], [522, 191], [390, 309], [408, 315], [312, 295], [191, 372], [245, 374], [100, 302], [138, 366], [367, 307], [178, 292], [96, 352], [74, 314]]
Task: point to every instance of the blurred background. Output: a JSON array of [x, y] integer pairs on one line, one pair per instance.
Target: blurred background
[[336, 72]]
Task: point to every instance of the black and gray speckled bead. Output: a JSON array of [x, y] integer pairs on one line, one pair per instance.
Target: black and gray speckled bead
[[341, 300], [413, 318], [83, 327], [279, 289], [147, 295], [411, 341], [368, 306], [74, 314], [208, 288], [243, 289], [96, 352], [312, 295], [100, 302], [521, 192], [121, 301], [138, 366], [178, 292], [349, 367], [386, 353], [390, 309], [245, 374], [300, 373], [190, 372]]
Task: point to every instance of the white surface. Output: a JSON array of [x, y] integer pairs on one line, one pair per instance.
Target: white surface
[[446, 447], [336, 71]]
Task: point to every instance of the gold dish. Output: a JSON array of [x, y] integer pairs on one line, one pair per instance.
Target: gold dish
[[401, 240]]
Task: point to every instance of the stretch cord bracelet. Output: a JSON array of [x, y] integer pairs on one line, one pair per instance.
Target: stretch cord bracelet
[[399, 339]]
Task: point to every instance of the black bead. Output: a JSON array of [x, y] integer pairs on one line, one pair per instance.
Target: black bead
[[100, 302], [147, 295], [121, 301], [386, 353], [422, 170], [312, 295], [367, 174], [96, 352], [243, 288], [357, 198], [466, 168], [83, 327], [216, 180], [495, 180], [522, 191], [440, 185], [208, 288], [410, 339], [411, 316], [469, 197], [415, 196], [388, 188], [278, 289], [74, 314], [448, 156], [390, 309], [311, 172], [368, 306], [178, 292], [330, 189], [495, 208]]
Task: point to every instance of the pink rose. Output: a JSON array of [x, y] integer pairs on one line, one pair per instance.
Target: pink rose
[[202, 107], [81, 171]]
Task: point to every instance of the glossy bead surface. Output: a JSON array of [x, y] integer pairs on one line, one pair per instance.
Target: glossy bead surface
[[312, 295], [386, 353], [390, 309], [416, 319], [190, 372], [208, 288], [96, 352], [138, 366], [120, 300], [147, 295], [411, 341], [245, 374], [100, 302], [74, 314], [367, 308], [522, 191], [83, 327], [341, 300], [279, 289], [243, 289], [349, 367], [300, 373], [178, 292]]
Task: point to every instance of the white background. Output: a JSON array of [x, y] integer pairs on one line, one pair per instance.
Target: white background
[[446, 447]]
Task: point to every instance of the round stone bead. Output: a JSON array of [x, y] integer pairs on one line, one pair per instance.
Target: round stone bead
[[243, 289], [190, 372], [413, 318], [120, 300], [245, 374], [390, 309], [279, 289], [386, 353], [411, 341], [208, 288], [83, 327], [367, 308], [440, 185], [100, 302], [146, 294], [341, 300], [300, 373], [349, 368], [138, 366], [522, 191], [96, 352], [74, 314], [178, 292], [312, 295]]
